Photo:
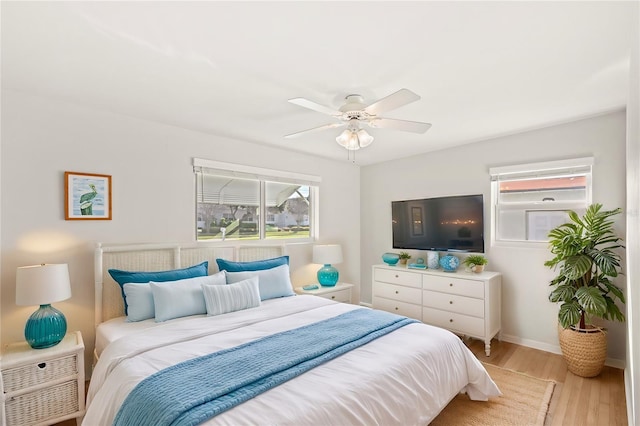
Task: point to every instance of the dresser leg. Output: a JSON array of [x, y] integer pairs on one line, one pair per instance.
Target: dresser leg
[[487, 347]]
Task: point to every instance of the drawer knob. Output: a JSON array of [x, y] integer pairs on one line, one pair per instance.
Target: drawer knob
[[42, 365], [396, 308], [333, 297], [397, 276], [450, 284], [451, 302], [397, 292], [451, 320]]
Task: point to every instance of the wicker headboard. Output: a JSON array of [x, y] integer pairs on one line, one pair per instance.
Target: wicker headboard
[[159, 257]]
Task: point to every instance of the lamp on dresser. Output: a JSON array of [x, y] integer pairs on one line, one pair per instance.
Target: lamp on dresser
[[327, 254], [42, 285]]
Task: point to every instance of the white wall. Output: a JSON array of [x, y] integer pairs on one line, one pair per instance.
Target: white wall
[[153, 195], [527, 316], [632, 372]]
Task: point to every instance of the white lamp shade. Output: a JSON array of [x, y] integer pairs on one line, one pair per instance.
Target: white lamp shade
[[42, 284], [327, 254]]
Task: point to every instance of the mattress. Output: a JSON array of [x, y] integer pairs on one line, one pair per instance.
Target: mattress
[[405, 377]]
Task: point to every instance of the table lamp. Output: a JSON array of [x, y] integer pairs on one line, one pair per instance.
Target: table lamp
[[43, 285], [327, 254]]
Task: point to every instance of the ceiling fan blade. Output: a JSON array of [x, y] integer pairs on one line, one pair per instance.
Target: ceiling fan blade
[[306, 103], [407, 126], [393, 101], [315, 129]]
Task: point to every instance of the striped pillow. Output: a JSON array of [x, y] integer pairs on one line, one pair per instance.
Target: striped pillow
[[220, 299]]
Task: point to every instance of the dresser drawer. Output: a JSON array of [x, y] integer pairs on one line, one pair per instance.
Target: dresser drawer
[[453, 285], [397, 292], [409, 279], [453, 303], [396, 307], [39, 372], [343, 296], [463, 324], [43, 404]]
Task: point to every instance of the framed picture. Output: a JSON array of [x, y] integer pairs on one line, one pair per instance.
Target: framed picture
[[87, 196]]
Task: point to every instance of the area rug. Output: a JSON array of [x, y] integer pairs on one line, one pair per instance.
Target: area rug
[[524, 401]]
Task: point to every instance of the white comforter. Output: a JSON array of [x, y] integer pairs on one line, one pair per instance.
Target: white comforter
[[406, 377]]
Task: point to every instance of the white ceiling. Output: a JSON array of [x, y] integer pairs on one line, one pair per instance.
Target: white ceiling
[[483, 69]]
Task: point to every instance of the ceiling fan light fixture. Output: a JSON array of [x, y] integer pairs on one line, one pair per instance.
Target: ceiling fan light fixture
[[364, 138], [354, 139], [349, 140]]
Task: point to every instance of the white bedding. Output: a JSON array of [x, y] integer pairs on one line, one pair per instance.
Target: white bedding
[[116, 328], [406, 377]]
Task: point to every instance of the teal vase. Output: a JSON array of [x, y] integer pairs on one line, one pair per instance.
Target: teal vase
[[46, 327], [328, 275]]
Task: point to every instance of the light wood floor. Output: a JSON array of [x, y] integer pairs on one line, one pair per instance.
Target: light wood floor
[[598, 401]]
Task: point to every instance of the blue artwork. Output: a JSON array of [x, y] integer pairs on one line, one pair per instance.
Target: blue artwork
[[88, 196]]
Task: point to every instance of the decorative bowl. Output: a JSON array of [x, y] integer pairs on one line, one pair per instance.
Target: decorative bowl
[[391, 258], [449, 263]]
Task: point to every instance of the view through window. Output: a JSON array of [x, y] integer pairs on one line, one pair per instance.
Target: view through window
[[241, 206]]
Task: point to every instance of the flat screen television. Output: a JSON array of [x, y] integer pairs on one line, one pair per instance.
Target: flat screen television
[[440, 224]]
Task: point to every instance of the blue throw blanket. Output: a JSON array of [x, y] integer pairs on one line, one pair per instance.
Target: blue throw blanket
[[196, 390]]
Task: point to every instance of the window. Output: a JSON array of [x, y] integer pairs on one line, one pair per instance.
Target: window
[[531, 199], [249, 203]]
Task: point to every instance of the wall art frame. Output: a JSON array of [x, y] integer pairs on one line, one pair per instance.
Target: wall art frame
[[87, 196]]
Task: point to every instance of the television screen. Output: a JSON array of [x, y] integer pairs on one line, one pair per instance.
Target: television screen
[[439, 224]]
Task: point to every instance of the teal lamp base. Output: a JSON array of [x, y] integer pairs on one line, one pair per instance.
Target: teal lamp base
[[46, 327], [328, 276]]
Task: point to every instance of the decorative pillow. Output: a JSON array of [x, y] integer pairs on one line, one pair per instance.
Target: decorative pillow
[[126, 277], [139, 301], [221, 299], [258, 265], [182, 298], [274, 282]]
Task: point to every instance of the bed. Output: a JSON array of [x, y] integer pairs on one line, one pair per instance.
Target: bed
[[406, 376]]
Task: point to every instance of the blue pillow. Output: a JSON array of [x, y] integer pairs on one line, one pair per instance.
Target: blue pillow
[[126, 277], [139, 301], [274, 282], [258, 265], [220, 299]]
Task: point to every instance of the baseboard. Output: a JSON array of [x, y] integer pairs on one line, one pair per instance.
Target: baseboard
[[555, 349]]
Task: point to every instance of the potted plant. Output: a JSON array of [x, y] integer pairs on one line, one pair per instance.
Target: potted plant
[[585, 257], [404, 256], [475, 262]]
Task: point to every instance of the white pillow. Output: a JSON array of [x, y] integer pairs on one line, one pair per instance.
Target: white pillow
[[233, 297], [175, 299], [274, 282], [140, 302]]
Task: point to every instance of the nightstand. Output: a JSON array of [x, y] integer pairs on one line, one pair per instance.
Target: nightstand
[[341, 292], [44, 386]]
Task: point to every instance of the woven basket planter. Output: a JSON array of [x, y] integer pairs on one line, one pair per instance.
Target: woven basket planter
[[584, 350]]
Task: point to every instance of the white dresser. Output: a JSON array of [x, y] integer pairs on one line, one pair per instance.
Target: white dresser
[[464, 302]]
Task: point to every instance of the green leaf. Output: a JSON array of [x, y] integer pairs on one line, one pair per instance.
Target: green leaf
[[613, 289], [591, 300], [577, 266], [562, 293], [613, 312], [569, 314]]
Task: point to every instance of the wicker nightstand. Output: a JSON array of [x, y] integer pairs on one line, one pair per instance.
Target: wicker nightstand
[[341, 292], [44, 386]]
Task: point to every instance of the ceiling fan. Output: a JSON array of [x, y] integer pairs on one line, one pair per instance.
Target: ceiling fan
[[354, 112]]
